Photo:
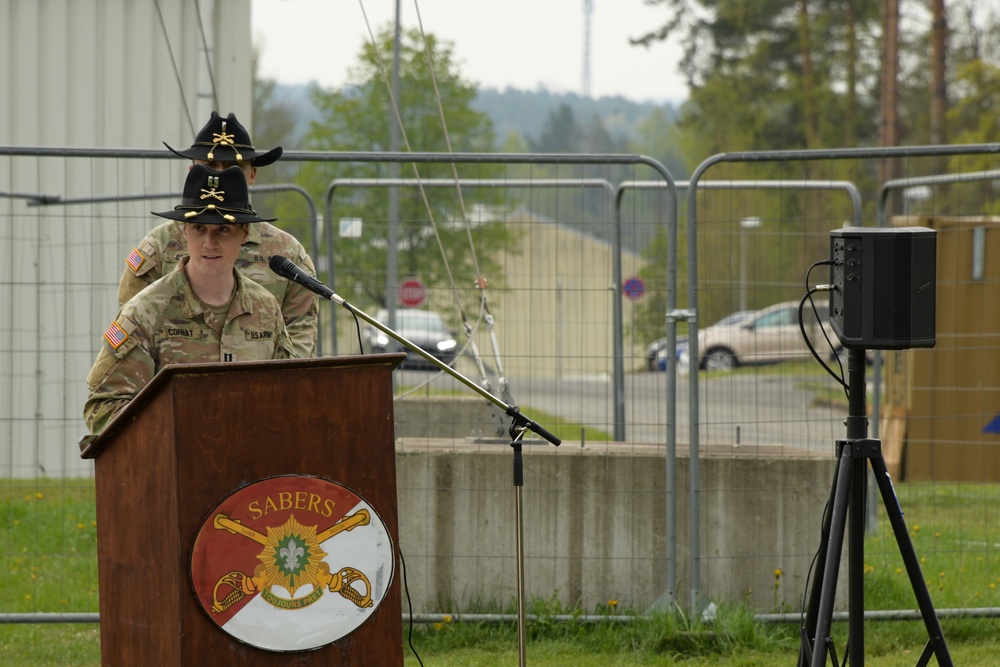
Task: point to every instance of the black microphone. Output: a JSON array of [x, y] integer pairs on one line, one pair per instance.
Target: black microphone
[[286, 268]]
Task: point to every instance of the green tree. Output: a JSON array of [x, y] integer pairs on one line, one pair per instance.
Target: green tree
[[561, 132], [977, 121], [774, 74], [434, 234], [657, 137]]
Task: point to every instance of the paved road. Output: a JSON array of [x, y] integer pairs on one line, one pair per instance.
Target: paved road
[[746, 408]]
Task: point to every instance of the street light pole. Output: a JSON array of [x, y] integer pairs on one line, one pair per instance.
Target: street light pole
[[745, 224], [915, 194]]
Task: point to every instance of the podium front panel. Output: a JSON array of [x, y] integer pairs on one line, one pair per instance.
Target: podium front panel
[[213, 431]]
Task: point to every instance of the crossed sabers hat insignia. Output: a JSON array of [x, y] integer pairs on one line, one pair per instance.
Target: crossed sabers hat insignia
[[223, 139], [203, 187]]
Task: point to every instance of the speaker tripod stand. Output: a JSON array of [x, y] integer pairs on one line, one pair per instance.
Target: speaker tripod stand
[[848, 501]]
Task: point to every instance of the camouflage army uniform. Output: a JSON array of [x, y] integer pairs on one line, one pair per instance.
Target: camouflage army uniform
[[164, 246], [169, 324]]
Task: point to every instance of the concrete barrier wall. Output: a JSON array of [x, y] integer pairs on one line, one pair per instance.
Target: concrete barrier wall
[[595, 525]]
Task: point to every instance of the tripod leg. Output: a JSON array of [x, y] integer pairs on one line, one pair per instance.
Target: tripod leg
[[856, 562], [935, 634], [838, 525], [808, 630]]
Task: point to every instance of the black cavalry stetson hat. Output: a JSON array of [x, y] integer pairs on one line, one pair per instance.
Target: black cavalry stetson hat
[[215, 198], [225, 140]]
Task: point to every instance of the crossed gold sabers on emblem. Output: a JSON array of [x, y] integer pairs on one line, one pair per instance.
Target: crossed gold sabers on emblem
[[339, 582]]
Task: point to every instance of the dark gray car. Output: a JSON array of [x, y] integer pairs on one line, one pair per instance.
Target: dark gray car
[[424, 328]]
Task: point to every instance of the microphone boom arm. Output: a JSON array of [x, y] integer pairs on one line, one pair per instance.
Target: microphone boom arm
[[519, 421]]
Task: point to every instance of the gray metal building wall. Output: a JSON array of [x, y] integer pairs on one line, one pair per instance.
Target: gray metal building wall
[[91, 74]]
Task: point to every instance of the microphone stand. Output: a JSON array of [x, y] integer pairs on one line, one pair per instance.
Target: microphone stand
[[518, 425]]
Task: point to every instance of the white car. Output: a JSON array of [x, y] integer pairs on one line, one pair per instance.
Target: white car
[[767, 336], [656, 352]]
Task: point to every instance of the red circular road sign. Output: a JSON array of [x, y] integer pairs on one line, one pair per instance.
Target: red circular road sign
[[412, 293]]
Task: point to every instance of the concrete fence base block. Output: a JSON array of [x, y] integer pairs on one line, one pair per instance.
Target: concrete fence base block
[[595, 524]]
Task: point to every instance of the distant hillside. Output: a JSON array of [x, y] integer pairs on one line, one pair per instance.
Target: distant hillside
[[525, 111], [511, 110], [530, 115], [297, 97]]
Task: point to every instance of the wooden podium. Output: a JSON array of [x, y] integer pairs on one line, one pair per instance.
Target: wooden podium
[[196, 435]]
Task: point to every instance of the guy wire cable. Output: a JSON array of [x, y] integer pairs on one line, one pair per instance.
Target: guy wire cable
[[399, 121], [481, 281], [173, 63], [423, 193], [208, 55]]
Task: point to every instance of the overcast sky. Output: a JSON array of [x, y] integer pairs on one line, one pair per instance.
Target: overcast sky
[[524, 44]]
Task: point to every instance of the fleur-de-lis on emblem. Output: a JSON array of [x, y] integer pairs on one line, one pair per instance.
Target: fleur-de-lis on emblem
[[291, 554]]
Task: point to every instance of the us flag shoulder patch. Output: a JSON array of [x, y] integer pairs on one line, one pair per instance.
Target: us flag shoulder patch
[[115, 335], [135, 259]]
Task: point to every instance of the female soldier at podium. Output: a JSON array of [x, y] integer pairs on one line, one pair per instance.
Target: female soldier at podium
[[204, 310]]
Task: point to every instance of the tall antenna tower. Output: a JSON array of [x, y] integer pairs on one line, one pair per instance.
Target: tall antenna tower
[[588, 9]]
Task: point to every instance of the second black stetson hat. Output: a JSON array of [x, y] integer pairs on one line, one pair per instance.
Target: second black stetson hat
[[226, 140]]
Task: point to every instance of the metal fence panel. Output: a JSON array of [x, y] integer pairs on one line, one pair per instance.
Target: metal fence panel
[[612, 514]]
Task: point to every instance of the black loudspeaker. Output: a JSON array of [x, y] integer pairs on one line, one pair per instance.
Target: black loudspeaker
[[883, 287]]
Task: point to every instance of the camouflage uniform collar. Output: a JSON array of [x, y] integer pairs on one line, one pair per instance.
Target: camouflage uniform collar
[[193, 306], [254, 235], [241, 298]]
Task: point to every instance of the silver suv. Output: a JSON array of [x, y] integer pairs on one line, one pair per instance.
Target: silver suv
[[767, 336]]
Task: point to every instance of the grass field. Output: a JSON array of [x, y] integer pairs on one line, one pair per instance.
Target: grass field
[[48, 564], [735, 641]]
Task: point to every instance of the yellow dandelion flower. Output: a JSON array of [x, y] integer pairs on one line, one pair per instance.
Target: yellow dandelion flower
[[916, 528], [447, 618], [38, 495], [992, 585], [80, 526], [439, 626], [899, 570], [612, 603], [778, 573]]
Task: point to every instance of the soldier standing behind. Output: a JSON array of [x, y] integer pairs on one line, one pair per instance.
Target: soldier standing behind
[[204, 310], [222, 143]]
